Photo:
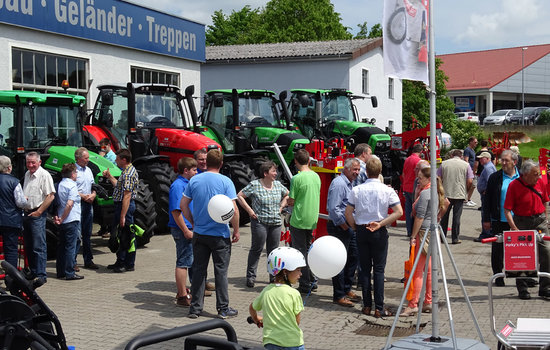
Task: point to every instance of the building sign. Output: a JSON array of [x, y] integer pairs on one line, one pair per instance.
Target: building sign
[[110, 21], [464, 103]]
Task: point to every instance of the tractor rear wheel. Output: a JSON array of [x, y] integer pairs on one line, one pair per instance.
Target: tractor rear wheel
[[241, 174], [158, 176], [145, 214]]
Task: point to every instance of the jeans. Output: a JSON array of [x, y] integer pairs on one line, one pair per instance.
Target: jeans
[[301, 240], [34, 236], [342, 282], [66, 247], [408, 211], [277, 347], [456, 205], [373, 251], [220, 249], [87, 221], [10, 236], [268, 235], [124, 258]]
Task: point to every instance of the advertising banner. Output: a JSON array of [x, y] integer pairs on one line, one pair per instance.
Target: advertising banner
[[110, 21], [405, 26]]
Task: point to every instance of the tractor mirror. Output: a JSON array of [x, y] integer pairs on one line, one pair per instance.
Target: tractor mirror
[[218, 101], [374, 101], [282, 96], [107, 97]]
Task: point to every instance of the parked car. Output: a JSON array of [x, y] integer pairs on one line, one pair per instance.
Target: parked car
[[468, 116], [500, 117], [531, 114]]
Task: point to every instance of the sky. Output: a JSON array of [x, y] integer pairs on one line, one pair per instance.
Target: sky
[[460, 26]]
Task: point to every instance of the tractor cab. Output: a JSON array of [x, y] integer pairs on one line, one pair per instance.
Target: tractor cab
[[33, 121], [249, 122]]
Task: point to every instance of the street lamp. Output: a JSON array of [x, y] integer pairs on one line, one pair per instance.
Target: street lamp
[[522, 88]]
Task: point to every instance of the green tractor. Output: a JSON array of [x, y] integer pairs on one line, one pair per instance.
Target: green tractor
[[246, 123], [325, 114], [50, 124]]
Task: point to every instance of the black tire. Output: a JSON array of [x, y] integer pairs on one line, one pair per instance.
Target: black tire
[[158, 176], [241, 174], [145, 214]]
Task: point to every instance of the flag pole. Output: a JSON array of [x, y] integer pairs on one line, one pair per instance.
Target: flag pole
[[433, 188]]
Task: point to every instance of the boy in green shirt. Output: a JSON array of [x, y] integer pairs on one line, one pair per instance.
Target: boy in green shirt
[[305, 191]]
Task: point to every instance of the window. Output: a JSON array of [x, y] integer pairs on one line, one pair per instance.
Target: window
[[43, 72], [390, 88], [390, 125], [144, 75], [365, 84]]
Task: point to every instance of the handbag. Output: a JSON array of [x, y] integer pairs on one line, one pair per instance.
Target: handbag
[[408, 269], [426, 245]]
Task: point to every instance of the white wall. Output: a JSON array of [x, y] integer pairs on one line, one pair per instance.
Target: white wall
[[388, 109], [107, 63]]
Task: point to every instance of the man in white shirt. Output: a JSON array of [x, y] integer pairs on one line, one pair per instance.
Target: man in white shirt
[[38, 187], [367, 214]]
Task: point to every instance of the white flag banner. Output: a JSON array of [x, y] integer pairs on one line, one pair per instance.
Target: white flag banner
[[406, 39]]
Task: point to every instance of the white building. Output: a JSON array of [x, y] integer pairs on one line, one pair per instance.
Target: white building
[[355, 65], [94, 43]]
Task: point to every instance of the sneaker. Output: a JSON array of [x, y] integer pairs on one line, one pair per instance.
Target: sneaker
[[250, 284], [192, 315], [471, 204], [229, 312]]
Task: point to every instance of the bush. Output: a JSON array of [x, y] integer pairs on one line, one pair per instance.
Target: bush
[[544, 118]]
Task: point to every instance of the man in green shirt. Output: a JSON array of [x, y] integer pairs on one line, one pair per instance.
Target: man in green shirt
[[305, 191]]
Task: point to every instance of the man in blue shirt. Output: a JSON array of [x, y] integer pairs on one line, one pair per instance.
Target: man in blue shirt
[[68, 219], [493, 218], [470, 158], [210, 237], [84, 182], [337, 226], [181, 229]]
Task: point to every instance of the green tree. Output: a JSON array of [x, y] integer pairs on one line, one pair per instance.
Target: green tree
[[416, 104], [278, 21], [233, 29], [364, 33]]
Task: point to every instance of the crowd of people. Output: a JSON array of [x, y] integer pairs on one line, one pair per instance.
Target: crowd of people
[[359, 205]]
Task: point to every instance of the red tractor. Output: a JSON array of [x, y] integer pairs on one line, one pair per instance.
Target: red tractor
[[151, 121]]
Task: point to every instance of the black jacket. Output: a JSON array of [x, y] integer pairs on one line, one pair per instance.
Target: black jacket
[[491, 204]]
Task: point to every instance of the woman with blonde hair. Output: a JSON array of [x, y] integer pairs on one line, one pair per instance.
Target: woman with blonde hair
[[422, 222]]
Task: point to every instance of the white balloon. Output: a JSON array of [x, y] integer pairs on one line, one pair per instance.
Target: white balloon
[[220, 208], [327, 257]]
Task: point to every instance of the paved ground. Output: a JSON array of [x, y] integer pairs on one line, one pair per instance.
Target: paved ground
[[106, 310]]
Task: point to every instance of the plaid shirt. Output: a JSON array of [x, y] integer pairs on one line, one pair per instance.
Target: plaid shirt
[[127, 181], [265, 203]]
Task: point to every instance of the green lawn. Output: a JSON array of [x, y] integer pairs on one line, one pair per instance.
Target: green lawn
[[531, 149]]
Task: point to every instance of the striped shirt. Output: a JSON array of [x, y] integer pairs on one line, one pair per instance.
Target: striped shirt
[[127, 181]]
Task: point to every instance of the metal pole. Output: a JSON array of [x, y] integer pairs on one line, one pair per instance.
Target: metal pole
[[433, 180]]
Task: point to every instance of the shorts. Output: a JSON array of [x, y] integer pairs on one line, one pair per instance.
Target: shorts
[[184, 249]]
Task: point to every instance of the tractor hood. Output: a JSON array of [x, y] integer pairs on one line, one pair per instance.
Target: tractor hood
[[281, 136], [184, 140], [60, 155], [347, 128]]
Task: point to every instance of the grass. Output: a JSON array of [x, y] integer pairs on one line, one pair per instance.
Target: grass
[[531, 149]]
